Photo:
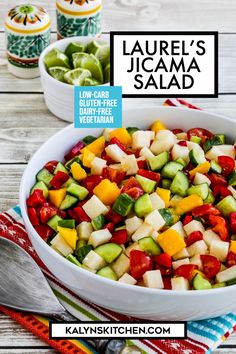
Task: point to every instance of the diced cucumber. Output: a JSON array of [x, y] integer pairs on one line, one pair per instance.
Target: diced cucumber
[[180, 184], [200, 189], [132, 130], [215, 167], [77, 191], [69, 182], [197, 156], [81, 243], [221, 137], [89, 139], [143, 206], [216, 140], [53, 222], [157, 162], [68, 202], [227, 205], [200, 283], [81, 252], [219, 285], [123, 227], [231, 282], [147, 184], [181, 161], [167, 216], [44, 176], [60, 167], [70, 162], [123, 204], [68, 223], [40, 185], [98, 222], [195, 139], [232, 179], [109, 251], [170, 169], [166, 183], [107, 272], [210, 198], [148, 245], [73, 260]]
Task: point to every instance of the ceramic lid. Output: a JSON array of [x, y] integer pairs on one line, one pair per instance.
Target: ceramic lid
[[86, 7], [26, 18]]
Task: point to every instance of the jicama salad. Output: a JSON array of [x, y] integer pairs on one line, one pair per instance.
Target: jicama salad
[[153, 208]]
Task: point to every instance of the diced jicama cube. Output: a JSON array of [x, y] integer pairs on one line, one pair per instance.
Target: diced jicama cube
[[157, 202], [213, 153], [97, 165], [115, 152], [232, 190], [177, 264], [121, 265], [226, 275], [227, 150], [152, 134], [179, 151], [200, 178], [155, 220], [55, 249], [219, 249], [209, 236], [116, 166], [143, 231], [61, 245], [181, 254], [191, 145], [179, 283], [140, 139], [199, 247], [99, 237], [146, 153], [132, 224], [84, 230], [94, 261], [182, 136], [179, 228], [197, 260], [153, 279], [192, 226], [106, 134], [127, 279], [134, 246], [89, 269], [154, 235], [129, 165], [94, 207], [164, 141]]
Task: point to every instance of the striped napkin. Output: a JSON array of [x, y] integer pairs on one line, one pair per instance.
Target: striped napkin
[[203, 336]]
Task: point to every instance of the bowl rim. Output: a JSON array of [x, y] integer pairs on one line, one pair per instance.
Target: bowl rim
[[136, 289], [53, 45]]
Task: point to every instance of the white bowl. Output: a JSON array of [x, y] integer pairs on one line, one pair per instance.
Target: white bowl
[[59, 96], [127, 299]]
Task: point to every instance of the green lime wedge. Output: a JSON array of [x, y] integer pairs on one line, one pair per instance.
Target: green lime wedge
[[106, 73], [89, 62], [91, 82], [58, 72], [75, 48], [101, 50], [56, 58], [77, 59], [77, 76]]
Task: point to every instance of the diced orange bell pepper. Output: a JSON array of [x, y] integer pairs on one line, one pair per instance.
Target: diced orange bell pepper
[[122, 135], [164, 194], [202, 168], [78, 172], [158, 125], [171, 242], [107, 191], [69, 235], [97, 146], [232, 247], [88, 157], [187, 204], [57, 196]]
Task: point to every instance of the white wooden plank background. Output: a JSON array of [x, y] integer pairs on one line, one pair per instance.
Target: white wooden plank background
[[24, 116]]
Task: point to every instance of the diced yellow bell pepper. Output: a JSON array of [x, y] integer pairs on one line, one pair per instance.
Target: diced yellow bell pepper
[[69, 235], [232, 247], [97, 146], [171, 242], [122, 135], [158, 125], [88, 157], [78, 172], [107, 191], [187, 204], [57, 196], [202, 168], [164, 194]]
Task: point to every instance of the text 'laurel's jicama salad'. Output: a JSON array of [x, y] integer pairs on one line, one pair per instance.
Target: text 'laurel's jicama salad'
[[155, 208]]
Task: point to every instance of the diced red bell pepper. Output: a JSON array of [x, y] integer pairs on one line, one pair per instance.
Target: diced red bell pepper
[[182, 143], [232, 222], [81, 214], [114, 217], [206, 209], [90, 182], [202, 133], [59, 179], [189, 167], [142, 164], [164, 271], [231, 259], [211, 265], [167, 282], [130, 183], [75, 150], [163, 259], [117, 142], [47, 212], [120, 237], [227, 164], [140, 263], [177, 131], [32, 213], [36, 199], [108, 159], [113, 175], [61, 213], [186, 271], [74, 215], [150, 175], [109, 226], [187, 219], [194, 237], [44, 231], [219, 226], [135, 192], [137, 154], [221, 191], [51, 165], [217, 180]]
